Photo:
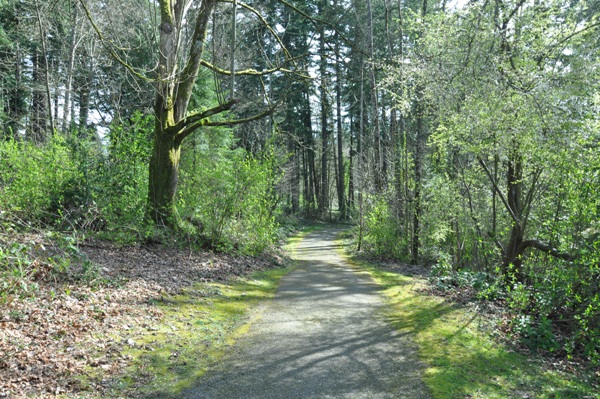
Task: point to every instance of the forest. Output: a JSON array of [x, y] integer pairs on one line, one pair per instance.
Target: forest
[[462, 136]]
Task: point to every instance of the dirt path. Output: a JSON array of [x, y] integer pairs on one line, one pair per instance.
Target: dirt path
[[323, 336]]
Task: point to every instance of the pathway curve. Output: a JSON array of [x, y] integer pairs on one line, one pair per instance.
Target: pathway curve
[[322, 336]]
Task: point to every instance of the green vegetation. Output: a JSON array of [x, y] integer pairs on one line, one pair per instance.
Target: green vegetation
[[461, 357], [198, 326], [462, 135]]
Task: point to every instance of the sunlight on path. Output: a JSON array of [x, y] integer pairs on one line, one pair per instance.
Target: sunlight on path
[[321, 337]]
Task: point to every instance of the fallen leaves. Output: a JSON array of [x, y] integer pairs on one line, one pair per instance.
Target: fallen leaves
[[68, 328]]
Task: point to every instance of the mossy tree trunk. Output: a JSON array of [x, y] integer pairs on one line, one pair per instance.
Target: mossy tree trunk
[[173, 92]]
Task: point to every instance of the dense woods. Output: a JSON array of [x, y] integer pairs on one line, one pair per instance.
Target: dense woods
[[459, 135]]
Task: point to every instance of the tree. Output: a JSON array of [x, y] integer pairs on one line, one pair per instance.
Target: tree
[[179, 60]]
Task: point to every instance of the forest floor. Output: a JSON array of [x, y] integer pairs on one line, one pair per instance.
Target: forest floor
[[68, 327], [104, 321]]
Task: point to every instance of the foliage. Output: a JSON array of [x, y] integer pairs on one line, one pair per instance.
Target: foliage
[[509, 192], [121, 180], [227, 197], [382, 235], [461, 358], [36, 182], [72, 184]]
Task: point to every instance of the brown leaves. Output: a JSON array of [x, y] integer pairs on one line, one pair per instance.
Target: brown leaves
[[69, 328]]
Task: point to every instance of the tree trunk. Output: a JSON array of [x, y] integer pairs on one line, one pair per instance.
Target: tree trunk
[[417, 192], [324, 194], [340, 155], [173, 92], [353, 131], [296, 181], [374, 104], [514, 181], [39, 127], [67, 125], [164, 176], [46, 68]]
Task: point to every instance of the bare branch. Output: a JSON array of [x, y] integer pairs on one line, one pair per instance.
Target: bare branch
[[182, 128], [233, 122], [317, 22], [265, 23], [246, 72], [109, 46], [537, 244], [498, 191]]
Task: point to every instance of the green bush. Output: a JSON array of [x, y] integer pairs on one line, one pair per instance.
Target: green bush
[[77, 184], [226, 197], [37, 181], [382, 235]]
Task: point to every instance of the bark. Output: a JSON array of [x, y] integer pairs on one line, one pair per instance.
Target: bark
[[323, 197], [374, 103], [419, 142], [16, 106], [417, 192], [313, 186], [164, 175], [173, 93], [85, 90], [70, 68], [296, 182], [39, 104], [350, 207], [46, 67], [340, 155]]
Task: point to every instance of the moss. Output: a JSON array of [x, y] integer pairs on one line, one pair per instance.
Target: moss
[[461, 360], [197, 328]]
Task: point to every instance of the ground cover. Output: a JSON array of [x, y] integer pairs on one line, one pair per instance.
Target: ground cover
[[119, 321], [457, 344]]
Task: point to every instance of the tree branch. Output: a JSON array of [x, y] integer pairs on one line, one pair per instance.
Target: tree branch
[[265, 23], [317, 22], [190, 72], [497, 189], [200, 122], [537, 244], [233, 122], [109, 48], [180, 129], [247, 72]]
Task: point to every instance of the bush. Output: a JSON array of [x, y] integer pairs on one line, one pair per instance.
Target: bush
[[382, 235], [36, 182], [227, 197]]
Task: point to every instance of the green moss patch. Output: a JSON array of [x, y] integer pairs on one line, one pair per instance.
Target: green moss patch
[[461, 359], [197, 327]]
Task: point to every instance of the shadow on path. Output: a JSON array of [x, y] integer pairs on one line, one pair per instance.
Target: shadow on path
[[323, 336]]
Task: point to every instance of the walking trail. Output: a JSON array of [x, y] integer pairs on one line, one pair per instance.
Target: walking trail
[[322, 336]]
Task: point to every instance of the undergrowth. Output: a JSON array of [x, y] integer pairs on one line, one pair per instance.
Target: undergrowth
[[462, 359]]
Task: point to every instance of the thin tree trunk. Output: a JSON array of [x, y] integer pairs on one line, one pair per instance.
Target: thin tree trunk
[[417, 192], [340, 155], [374, 103], [351, 174], [46, 67], [38, 127], [70, 68], [323, 198]]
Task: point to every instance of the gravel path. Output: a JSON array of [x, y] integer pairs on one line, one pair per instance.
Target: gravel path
[[323, 336]]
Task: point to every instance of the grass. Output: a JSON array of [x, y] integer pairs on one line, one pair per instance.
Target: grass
[[462, 360], [197, 328]]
